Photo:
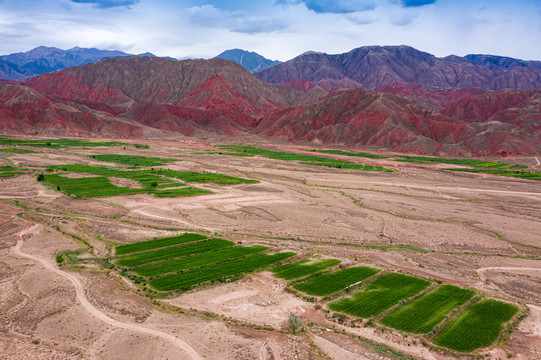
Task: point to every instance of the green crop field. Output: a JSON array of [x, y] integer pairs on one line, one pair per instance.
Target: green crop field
[[57, 143], [522, 174], [173, 252], [422, 315], [384, 292], [157, 243], [185, 280], [347, 153], [198, 260], [477, 326], [132, 160], [330, 283], [17, 151], [160, 183], [302, 268], [466, 162], [303, 159]]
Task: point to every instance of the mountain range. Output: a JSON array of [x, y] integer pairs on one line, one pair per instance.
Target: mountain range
[[149, 96], [251, 61]]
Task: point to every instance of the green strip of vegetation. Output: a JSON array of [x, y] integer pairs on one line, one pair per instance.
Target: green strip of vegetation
[[477, 326], [531, 175], [384, 292], [302, 268], [194, 261], [467, 162], [173, 252], [422, 315], [347, 153], [187, 279], [351, 166], [17, 151], [157, 243], [132, 160], [9, 174], [330, 283], [57, 143]]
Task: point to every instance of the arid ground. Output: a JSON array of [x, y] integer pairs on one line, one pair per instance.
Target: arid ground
[[478, 231]]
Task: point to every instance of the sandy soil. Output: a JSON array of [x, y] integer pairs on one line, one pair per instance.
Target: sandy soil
[[472, 230]]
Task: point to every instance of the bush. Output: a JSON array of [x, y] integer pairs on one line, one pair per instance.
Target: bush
[[41, 177], [60, 259], [294, 322]]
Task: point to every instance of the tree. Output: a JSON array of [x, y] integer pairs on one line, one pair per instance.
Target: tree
[[41, 177], [294, 322], [59, 259]]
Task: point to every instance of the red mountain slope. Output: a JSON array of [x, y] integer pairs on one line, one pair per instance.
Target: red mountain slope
[[360, 117]]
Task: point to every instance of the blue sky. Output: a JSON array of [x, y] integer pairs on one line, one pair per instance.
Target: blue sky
[[277, 29]]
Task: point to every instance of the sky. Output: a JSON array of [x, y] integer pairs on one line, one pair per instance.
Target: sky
[[276, 29]]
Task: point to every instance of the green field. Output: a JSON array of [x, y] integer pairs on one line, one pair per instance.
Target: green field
[[302, 268], [330, 283], [422, 315], [348, 153], [160, 183], [7, 171], [132, 160], [522, 174], [185, 280], [197, 260], [157, 243], [477, 326], [17, 151], [384, 292], [173, 252], [57, 143], [303, 159], [466, 162]]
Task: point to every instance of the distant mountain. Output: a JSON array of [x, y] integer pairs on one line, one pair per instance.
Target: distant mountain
[[251, 61], [372, 67], [41, 60]]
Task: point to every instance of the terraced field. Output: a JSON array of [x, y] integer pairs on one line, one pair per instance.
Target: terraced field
[[132, 160], [422, 315], [476, 327], [157, 243], [332, 282], [302, 268], [386, 291]]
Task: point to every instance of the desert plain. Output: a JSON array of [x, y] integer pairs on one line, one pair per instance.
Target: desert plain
[[476, 231]]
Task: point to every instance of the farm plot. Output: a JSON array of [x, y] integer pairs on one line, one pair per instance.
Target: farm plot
[[330, 283], [57, 143], [186, 280], [157, 243], [132, 160], [173, 252], [197, 260], [522, 174], [347, 153], [384, 292], [303, 159], [466, 162], [302, 268], [420, 316], [8, 171], [477, 326]]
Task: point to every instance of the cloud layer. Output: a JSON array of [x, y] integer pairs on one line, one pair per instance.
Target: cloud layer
[[278, 29]]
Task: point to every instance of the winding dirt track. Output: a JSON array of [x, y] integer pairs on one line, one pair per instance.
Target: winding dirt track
[[80, 291], [482, 276]]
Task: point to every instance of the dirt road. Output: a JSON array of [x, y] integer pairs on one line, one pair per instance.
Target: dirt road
[[80, 291]]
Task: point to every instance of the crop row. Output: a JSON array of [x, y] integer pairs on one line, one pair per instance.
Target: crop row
[[332, 282], [386, 291], [157, 243], [57, 143], [422, 315], [187, 279], [173, 252], [477, 326], [302, 268], [198, 260]]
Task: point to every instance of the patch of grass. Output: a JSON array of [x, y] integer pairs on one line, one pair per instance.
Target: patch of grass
[[384, 292], [422, 315], [198, 260], [157, 243], [330, 283], [187, 279], [302, 268], [466, 162], [132, 160], [477, 326], [17, 151], [522, 174], [173, 252]]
